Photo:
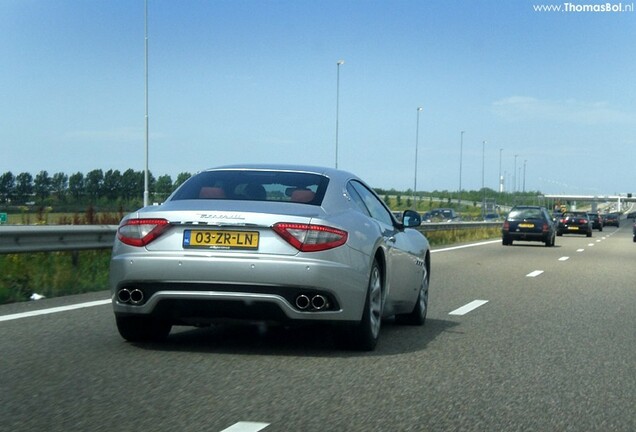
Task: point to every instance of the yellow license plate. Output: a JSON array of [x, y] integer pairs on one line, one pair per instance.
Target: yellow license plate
[[526, 225], [573, 228], [220, 239]]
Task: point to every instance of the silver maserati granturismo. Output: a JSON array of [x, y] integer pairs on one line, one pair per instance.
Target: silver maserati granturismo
[[270, 243]]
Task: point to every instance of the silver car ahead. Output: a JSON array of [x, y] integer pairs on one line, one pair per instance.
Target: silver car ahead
[[269, 243]]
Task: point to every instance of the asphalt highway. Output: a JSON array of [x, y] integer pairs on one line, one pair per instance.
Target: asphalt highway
[[518, 338]]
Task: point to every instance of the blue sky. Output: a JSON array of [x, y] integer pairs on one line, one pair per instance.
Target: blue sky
[[234, 81]]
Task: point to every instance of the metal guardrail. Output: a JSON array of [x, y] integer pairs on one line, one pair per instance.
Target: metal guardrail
[[51, 238]]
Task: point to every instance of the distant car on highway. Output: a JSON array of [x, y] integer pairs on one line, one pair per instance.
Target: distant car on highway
[[575, 222], [597, 221], [612, 219], [528, 223], [269, 243], [441, 215]]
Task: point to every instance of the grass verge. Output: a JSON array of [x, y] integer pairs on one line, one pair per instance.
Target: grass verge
[[52, 274]]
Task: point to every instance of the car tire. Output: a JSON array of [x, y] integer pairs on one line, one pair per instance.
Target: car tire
[[418, 314], [549, 242], [589, 233], [559, 233], [142, 329], [363, 336]]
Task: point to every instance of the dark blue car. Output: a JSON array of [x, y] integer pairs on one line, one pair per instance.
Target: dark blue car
[[528, 223]]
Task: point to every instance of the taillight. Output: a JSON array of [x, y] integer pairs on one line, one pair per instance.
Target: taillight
[[310, 238], [546, 227], [140, 232], [506, 226]]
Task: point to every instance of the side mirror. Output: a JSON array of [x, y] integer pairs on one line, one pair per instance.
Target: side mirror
[[411, 219]]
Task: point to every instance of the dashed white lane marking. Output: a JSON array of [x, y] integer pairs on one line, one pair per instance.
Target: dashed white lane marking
[[245, 426], [468, 307], [564, 258], [54, 310], [534, 273], [580, 250]]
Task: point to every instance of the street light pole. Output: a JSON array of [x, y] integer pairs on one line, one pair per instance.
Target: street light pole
[[500, 178], [461, 153], [417, 134], [515, 174], [146, 192], [340, 62], [483, 171]]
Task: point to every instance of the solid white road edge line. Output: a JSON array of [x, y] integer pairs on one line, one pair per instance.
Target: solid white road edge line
[[54, 310], [468, 307], [466, 246]]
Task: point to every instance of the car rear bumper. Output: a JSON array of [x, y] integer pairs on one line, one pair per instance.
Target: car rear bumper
[[575, 230], [197, 289], [527, 236]]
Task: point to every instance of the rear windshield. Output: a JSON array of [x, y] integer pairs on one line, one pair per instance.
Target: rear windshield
[[255, 185], [520, 214]]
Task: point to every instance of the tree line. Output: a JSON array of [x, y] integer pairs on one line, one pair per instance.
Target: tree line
[[95, 187], [113, 188]]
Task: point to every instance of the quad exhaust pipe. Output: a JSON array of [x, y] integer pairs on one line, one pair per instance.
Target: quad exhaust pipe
[[134, 296], [315, 303]]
